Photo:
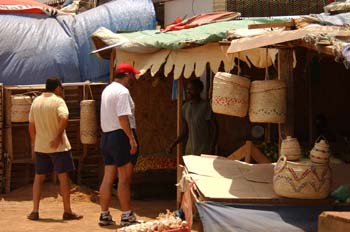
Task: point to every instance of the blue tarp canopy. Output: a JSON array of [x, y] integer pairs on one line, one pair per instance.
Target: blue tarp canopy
[[34, 47]]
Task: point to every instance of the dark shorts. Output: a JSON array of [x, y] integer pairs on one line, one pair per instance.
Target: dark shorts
[[59, 162], [115, 147]]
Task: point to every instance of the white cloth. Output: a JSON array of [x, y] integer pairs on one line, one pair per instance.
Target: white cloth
[[116, 101], [45, 112]]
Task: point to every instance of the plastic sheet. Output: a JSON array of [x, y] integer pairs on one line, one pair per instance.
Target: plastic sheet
[[229, 217], [34, 47]]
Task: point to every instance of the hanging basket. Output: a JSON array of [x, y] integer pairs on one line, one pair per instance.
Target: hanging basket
[[230, 94], [20, 107], [268, 101], [88, 122], [302, 180]]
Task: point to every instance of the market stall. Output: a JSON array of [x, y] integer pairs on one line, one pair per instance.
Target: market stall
[[250, 184]]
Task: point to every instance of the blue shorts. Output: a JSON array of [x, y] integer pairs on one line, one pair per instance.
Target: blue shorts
[[115, 147], [59, 162]]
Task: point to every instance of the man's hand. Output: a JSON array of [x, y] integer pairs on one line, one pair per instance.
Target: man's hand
[[133, 146], [169, 150], [56, 142]]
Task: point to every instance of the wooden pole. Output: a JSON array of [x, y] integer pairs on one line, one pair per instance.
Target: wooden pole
[[179, 160], [111, 65], [285, 70]]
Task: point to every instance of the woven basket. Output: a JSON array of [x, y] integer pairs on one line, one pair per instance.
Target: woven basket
[[88, 122], [268, 101], [230, 94], [320, 151], [20, 107], [290, 148], [302, 180]]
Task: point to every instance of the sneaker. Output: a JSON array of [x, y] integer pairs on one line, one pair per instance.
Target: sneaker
[[106, 220], [129, 220], [71, 216], [34, 216]]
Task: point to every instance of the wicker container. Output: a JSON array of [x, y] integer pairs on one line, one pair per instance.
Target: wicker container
[[88, 122], [20, 107], [302, 180], [290, 148], [268, 101], [320, 152], [230, 94]]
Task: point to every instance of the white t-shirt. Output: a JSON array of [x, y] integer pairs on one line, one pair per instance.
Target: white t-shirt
[[45, 113], [116, 101]]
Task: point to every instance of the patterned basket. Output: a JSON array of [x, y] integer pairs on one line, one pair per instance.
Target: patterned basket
[[20, 107], [290, 148], [268, 101], [303, 180], [88, 122], [230, 94], [320, 151]]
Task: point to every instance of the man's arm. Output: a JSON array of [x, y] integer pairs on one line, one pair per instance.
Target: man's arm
[[32, 132], [124, 123], [63, 122], [183, 135]]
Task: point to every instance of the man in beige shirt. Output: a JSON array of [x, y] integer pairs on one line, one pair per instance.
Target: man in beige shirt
[[48, 119]]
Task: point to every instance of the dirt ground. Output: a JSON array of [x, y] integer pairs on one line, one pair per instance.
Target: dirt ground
[[16, 205]]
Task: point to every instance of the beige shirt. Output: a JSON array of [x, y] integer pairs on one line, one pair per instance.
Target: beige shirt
[[45, 113]]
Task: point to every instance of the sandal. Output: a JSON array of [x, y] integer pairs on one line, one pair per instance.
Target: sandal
[[71, 216], [33, 216]]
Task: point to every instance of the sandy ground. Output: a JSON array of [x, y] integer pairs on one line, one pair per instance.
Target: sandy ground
[[16, 205]]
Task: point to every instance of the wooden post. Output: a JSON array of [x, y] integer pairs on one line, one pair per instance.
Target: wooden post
[[179, 159], [8, 141], [111, 65], [285, 70]]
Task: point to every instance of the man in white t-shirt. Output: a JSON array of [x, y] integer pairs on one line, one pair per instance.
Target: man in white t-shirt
[[48, 119], [119, 144]]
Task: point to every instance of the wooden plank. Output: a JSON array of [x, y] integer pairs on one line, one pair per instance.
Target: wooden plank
[[269, 25], [326, 50]]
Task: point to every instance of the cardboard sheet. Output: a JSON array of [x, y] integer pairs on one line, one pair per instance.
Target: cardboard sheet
[[216, 177], [221, 178]]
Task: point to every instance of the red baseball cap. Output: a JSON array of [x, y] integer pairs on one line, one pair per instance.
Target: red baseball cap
[[126, 68]]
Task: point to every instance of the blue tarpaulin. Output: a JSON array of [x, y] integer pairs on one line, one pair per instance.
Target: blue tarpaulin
[[240, 218], [34, 47]]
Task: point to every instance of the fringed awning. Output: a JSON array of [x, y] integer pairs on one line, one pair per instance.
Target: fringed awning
[[186, 61]]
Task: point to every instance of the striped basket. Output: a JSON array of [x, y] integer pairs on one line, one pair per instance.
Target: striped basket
[[230, 94]]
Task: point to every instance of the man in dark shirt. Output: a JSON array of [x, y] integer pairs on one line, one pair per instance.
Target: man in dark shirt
[[199, 124]]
